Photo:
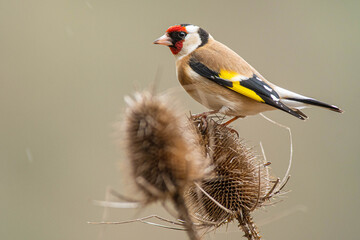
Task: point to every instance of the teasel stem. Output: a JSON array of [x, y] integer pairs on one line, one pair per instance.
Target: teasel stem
[[180, 205], [248, 226]]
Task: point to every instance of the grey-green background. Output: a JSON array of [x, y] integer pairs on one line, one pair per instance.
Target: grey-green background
[[65, 67]]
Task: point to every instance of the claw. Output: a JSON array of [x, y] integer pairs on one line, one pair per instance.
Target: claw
[[234, 131]]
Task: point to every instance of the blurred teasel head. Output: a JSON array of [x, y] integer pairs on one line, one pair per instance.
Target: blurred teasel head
[[162, 146]]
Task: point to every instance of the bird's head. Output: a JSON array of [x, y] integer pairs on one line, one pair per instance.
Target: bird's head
[[183, 39]]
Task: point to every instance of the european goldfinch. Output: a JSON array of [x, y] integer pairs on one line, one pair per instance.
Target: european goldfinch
[[222, 81]]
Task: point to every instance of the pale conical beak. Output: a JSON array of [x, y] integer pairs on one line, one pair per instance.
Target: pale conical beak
[[164, 40]]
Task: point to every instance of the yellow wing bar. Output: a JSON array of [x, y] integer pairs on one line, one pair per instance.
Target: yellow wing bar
[[245, 91], [235, 78]]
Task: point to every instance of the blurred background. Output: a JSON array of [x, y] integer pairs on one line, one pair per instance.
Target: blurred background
[[65, 67]]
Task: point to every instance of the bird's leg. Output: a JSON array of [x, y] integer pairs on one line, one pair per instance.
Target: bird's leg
[[204, 114], [232, 120]]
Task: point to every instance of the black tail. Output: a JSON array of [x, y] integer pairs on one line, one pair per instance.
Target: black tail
[[278, 104], [314, 102]]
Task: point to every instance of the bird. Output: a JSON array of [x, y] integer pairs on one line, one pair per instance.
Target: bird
[[221, 80]]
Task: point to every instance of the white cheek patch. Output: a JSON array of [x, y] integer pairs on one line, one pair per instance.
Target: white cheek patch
[[192, 29], [192, 41]]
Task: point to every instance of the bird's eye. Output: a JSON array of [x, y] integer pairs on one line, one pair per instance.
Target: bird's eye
[[182, 34]]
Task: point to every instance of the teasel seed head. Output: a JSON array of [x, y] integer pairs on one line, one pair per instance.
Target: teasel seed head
[[238, 183]]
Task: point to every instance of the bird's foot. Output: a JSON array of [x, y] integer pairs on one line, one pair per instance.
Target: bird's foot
[[203, 118]]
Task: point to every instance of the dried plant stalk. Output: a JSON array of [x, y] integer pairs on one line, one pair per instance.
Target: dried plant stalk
[[199, 164]]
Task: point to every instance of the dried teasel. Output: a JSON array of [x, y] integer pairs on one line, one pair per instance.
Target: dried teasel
[[238, 183], [164, 152], [198, 163]]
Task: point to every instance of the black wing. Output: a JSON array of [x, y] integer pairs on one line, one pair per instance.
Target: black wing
[[253, 88]]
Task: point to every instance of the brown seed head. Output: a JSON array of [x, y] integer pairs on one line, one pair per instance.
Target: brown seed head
[[239, 180], [162, 146]]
